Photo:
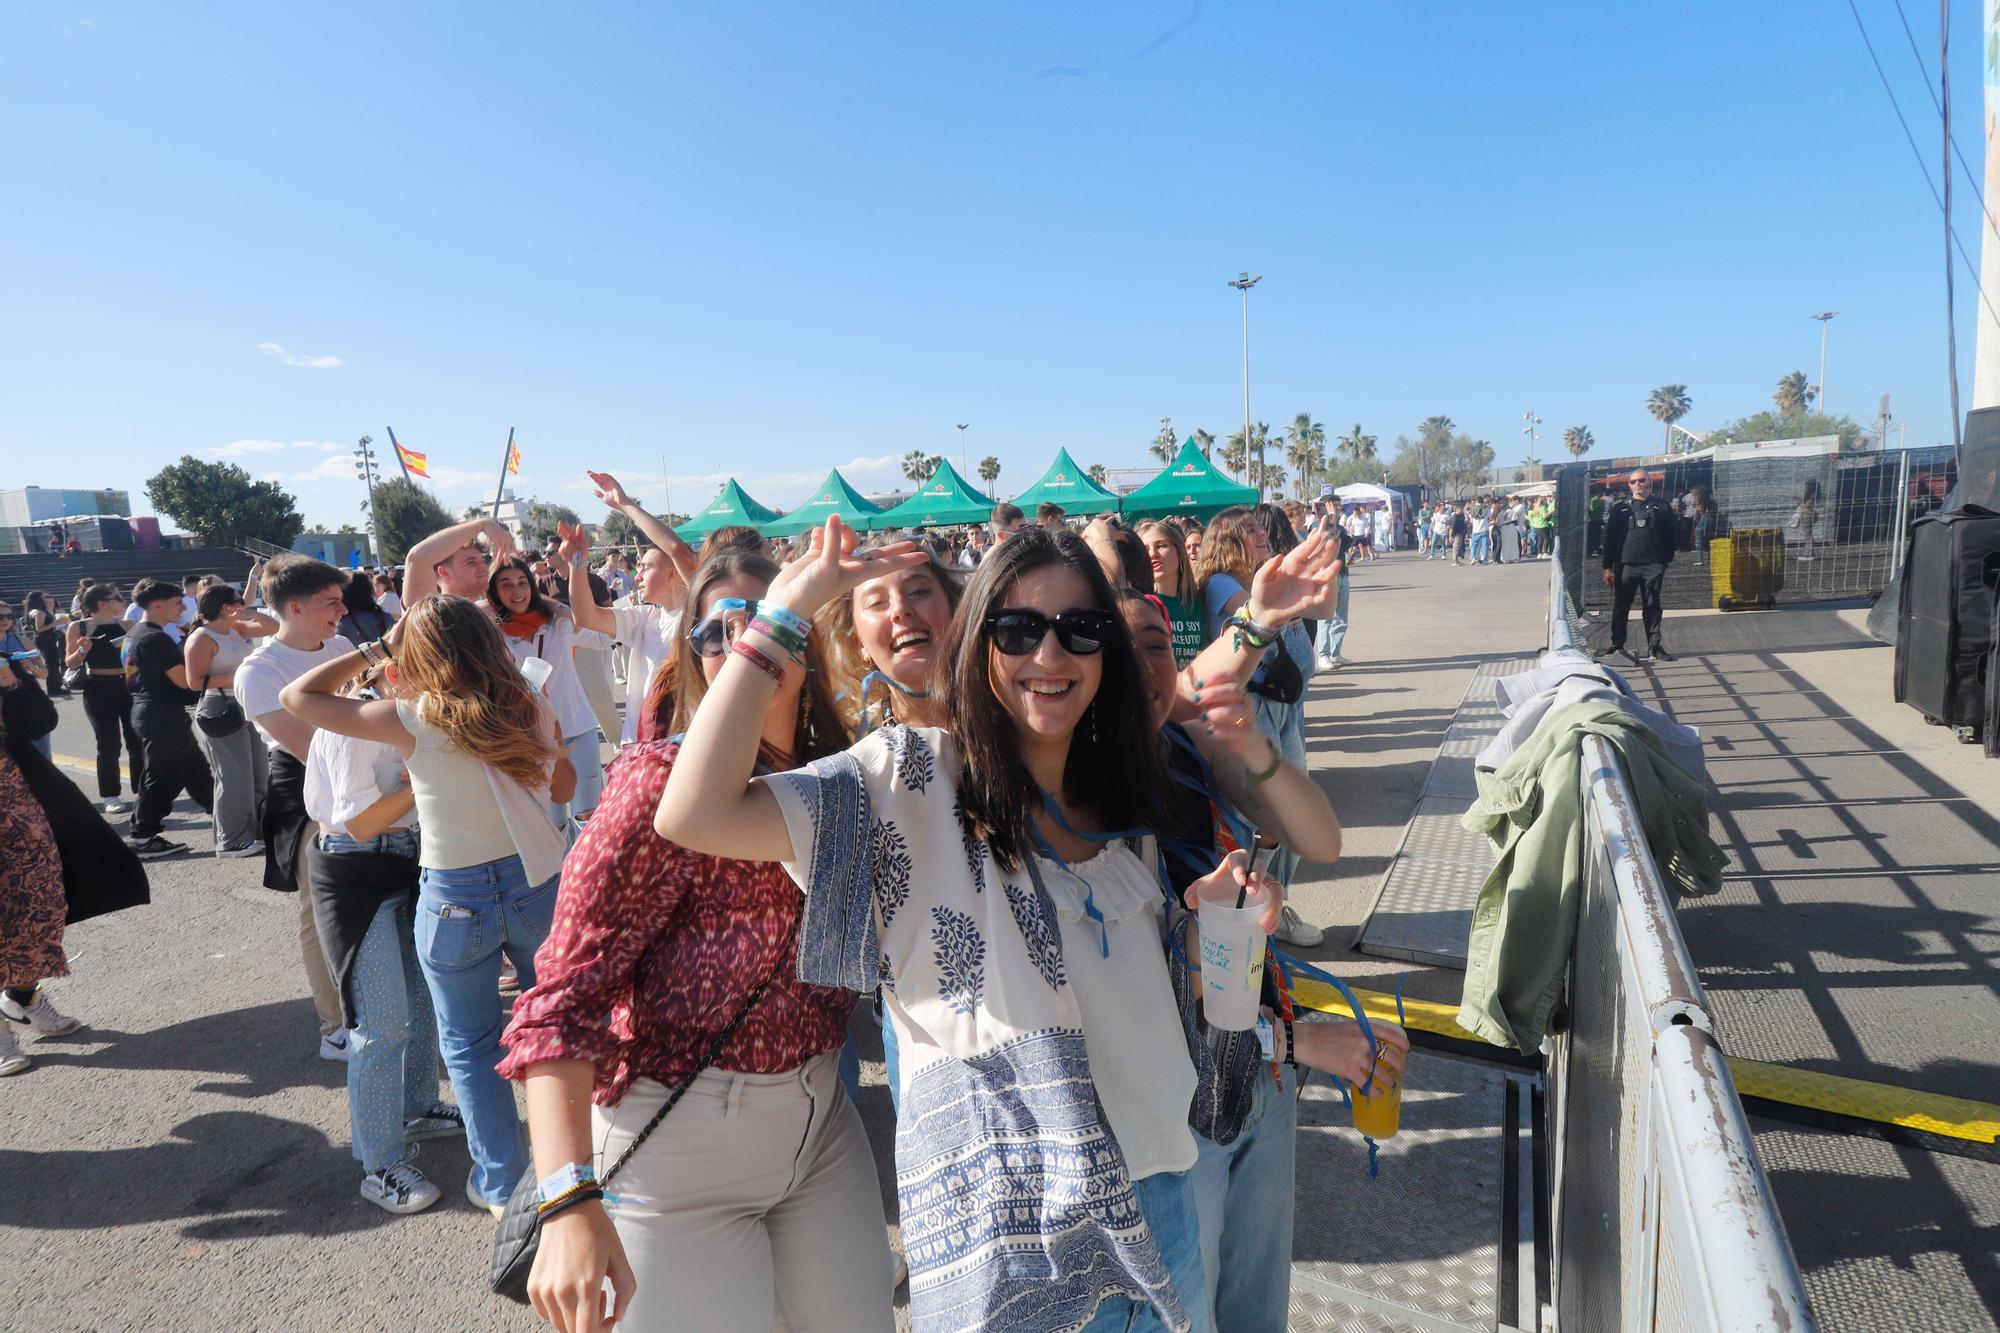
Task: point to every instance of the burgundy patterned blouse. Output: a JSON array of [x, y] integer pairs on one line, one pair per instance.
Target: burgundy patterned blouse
[[654, 949]]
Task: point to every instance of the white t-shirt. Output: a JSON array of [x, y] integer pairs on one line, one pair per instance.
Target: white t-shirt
[[344, 777], [553, 644], [178, 629], [391, 604], [272, 667], [648, 632]]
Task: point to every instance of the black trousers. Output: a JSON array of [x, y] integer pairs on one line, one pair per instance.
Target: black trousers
[[174, 762], [1642, 581], [108, 705]]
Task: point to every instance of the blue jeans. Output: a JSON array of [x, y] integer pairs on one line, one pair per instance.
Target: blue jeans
[[1243, 1196], [1479, 546], [466, 918], [1333, 630], [1167, 1202], [392, 1061]]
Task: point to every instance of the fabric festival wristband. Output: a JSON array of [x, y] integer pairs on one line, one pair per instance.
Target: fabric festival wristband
[[567, 1177], [568, 1201], [790, 619], [761, 662], [782, 634], [757, 637]]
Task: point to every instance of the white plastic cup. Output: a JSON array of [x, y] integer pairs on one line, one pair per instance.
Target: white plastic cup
[[1232, 960], [537, 671]]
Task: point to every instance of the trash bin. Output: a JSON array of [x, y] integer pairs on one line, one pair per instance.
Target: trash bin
[[1747, 569]]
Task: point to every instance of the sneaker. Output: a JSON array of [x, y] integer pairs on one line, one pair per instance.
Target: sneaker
[[42, 1016], [116, 807], [442, 1121], [242, 849], [333, 1046], [11, 1059], [155, 847], [1328, 664], [477, 1200], [510, 981], [399, 1189], [1659, 654], [1296, 931], [1339, 662]]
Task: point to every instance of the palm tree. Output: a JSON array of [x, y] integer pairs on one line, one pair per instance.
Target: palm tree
[[1669, 403], [1578, 441], [1794, 395], [989, 470], [1356, 447], [1433, 443], [1095, 472], [1206, 443], [1166, 444], [1305, 447], [1260, 439], [918, 465], [1235, 454]]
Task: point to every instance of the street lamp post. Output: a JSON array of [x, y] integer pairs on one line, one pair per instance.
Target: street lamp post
[[1533, 430], [1243, 283], [964, 465], [364, 467], [1824, 317]]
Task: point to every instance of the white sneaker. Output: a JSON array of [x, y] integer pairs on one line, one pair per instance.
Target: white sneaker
[[43, 1017], [115, 807], [11, 1059], [478, 1200], [399, 1189], [1296, 931], [333, 1046], [442, 1121]]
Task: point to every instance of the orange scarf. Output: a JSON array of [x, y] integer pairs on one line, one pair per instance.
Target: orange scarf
[[523, 625]]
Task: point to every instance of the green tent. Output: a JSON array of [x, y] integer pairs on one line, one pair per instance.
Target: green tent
[[731, 506], [1190, 485], [1070, 486], [834, 496], [944, 500]]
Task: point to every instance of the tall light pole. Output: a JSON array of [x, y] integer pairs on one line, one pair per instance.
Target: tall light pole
[[364, 467], [964, 469], [1824, 317], [1533, 430], [1243, 283]]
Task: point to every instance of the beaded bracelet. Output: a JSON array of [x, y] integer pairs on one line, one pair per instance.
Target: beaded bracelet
[[761, 662], [790, 619], [568, 1201], [780, 633]]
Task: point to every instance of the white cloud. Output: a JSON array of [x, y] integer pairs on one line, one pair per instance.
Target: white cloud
[[299, 359], [239, 448], [336, 467]]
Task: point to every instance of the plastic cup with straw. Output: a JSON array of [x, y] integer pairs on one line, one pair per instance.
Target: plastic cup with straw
[[1232, 956]]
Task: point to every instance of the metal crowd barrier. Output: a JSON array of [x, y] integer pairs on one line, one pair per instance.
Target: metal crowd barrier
[[1663, 1217]]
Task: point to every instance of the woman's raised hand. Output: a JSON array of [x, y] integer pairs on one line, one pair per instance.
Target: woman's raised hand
[[574, 544], [831, 567], [1301, 582], [606, 488]]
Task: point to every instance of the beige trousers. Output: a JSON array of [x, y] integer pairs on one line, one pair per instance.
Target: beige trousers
[[755, 1197], [593, 669], [325, 990]]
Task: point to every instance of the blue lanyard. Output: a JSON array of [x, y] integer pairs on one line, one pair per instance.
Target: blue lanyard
[[873, 678], [1090, 908]]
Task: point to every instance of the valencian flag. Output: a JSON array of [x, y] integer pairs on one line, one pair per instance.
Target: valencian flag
[[412, 461], [514, 458]]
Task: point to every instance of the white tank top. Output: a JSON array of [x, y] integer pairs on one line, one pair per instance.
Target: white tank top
[[471, 813]]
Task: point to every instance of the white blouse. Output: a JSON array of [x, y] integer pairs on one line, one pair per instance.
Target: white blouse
[[554, 643]]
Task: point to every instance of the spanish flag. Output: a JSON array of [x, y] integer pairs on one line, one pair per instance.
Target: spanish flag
[[514, 459], [413, 461]]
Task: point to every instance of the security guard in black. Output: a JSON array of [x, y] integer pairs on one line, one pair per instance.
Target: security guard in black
[[1638, 546]]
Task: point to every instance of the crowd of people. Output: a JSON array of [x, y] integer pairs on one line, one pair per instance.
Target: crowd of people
[[974, 784], [1487, 532]]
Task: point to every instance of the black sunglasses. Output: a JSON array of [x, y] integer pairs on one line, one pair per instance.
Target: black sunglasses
[[1019, 632]]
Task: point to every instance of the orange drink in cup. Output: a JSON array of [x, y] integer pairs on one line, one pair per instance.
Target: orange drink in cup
[[1379, 1114]]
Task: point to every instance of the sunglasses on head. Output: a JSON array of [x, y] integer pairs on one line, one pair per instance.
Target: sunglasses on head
[[1017, 633], [719, 628]]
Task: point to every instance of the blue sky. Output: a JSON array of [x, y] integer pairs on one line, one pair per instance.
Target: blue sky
[[684, 242]]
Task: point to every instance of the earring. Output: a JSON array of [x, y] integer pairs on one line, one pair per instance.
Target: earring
[[1093, 722]]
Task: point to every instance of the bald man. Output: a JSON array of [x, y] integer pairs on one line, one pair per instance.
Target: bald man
[[1638, 546]]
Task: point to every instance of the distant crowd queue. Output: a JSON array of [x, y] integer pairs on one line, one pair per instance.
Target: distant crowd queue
[[976, 786]]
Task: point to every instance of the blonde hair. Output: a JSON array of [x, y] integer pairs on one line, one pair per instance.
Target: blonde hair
[[1184, 585], [1226, 548], [847, 665], [463, 681]]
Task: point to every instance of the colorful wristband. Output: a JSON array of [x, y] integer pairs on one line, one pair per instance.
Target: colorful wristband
[[790, 619], [565, 1178], [779, 633], [760, 661], [568, 1201]]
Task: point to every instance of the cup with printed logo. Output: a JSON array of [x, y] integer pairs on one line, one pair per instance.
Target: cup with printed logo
[[1379, 1114], [1232, 954]]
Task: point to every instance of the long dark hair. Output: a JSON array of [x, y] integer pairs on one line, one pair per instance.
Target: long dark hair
[[679, 686], [538, 604], [1114, 764]]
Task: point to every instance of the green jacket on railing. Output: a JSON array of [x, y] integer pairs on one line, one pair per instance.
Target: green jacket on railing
[[1524, 923]]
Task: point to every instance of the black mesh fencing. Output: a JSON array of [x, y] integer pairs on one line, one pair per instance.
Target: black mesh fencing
[[1758, 531]]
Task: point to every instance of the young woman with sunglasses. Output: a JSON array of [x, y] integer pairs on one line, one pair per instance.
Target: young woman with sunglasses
[[992, 876], [485, 764], [758, 1192], [1228, 781], [536, 625]]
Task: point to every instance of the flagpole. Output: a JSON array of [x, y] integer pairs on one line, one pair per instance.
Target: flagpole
[[504, 460], [399, 455]]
